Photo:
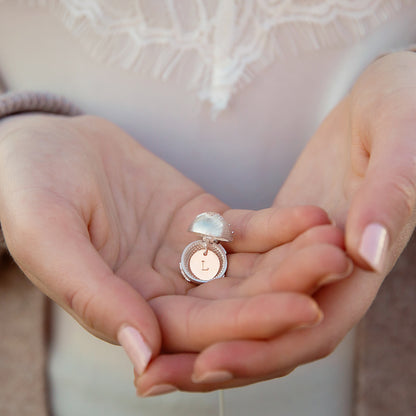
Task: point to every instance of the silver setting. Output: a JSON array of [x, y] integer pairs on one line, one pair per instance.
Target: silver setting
[[212, 224], [205, 260]]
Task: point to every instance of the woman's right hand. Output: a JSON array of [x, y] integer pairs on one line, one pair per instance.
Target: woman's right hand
[[98, 224]]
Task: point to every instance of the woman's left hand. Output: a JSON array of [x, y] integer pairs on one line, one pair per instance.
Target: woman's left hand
[[360, 166]]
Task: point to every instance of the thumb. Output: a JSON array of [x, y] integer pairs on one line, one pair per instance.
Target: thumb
[[381, 215], [63, 263]]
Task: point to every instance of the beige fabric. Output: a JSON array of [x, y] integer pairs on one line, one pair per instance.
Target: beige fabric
[[22, 345], [3, 247], [2, 86], [386, 358]]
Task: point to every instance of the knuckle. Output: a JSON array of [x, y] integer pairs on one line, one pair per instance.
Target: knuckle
[[81, 302], [402, 191], [242, 229], [325, 348], [22, 236]]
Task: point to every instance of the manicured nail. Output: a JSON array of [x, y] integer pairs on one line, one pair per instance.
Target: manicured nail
[[136, 348], [219, 376], [158, 390], [373, 245], [334, 277], [319, 316]]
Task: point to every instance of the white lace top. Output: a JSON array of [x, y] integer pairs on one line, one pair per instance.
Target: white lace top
[[269, 71], [214, 46]]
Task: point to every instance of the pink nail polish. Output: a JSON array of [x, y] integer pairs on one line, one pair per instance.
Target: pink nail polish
[[373, 245], [159, 389], [219, 376], [136, 348]]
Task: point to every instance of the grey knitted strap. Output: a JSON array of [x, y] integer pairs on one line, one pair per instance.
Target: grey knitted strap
[[23, 345], [26, 101]]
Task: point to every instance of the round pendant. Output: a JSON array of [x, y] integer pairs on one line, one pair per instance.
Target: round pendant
[[202, 262]]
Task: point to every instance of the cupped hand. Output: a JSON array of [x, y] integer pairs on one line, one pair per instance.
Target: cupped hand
[[98, 224], [360, 167]]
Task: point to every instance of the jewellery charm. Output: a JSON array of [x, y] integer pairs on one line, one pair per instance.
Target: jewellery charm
[[206, 259]]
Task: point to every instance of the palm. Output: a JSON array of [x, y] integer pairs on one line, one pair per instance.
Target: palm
[[324, 174], [148, 227], [335, 169], [312, 181], [85, 191]]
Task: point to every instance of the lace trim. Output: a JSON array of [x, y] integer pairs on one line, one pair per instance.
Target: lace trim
[[213, 46]]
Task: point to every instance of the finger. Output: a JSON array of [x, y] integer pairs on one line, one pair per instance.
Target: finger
[[304, 270], [260, 231], [240, 265], [190, 324], [241, 362], [237, 363], [381, 214], [168, 373], [59, 258], [323, 234], [263, 359]]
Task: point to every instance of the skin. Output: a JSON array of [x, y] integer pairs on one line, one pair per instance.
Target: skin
[[369, 141], [123, 240], [98, 224]]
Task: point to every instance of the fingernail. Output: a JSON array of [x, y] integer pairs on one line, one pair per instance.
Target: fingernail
[[219, 376], [136, 348], [334, 277], [158, 390], [373, 245], [319, 316]]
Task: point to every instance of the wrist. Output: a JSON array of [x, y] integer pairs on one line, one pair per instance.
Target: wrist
[[14, 106]]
